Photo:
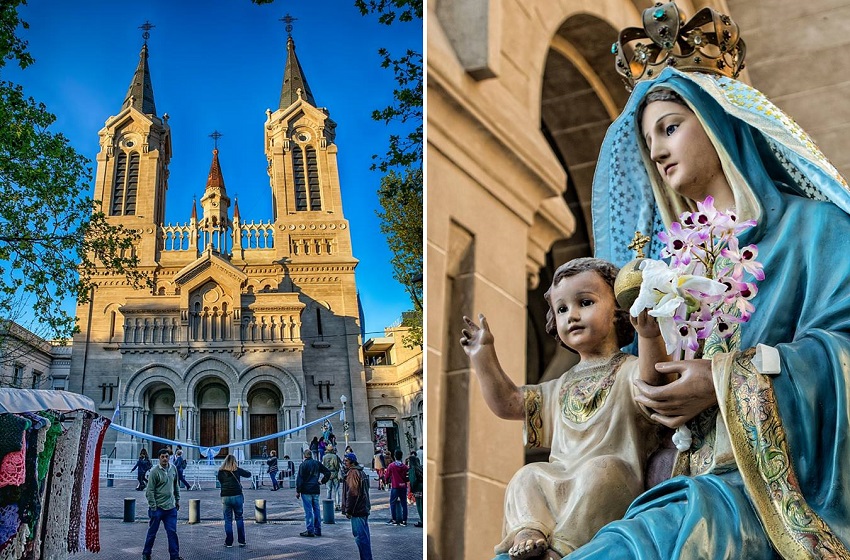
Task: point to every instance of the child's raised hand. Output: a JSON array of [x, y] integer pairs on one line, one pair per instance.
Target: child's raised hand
[[475, 337], [646, 325]]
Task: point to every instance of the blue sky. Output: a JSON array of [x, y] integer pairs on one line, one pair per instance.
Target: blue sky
[[218, 65]]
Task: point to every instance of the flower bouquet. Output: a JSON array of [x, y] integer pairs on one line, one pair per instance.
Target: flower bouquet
[[702, 290]]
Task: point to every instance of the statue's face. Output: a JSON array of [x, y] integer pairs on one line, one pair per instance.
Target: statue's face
[[681, 150], [584, 314]]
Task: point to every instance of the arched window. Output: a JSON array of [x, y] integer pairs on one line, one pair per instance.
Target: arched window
[[126, 184], [313, 180], [300, 185], [132, 184], [118, 187]]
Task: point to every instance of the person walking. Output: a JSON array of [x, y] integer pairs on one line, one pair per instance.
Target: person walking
[[272, 469], [357, 505], [163, 495], [397, 479], [180, 465], [332, 463], [379, 463], [322, 446], [307, 488], [143, 465], [414, 475], [232, 499]]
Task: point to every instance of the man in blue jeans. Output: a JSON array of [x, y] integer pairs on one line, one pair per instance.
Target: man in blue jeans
[[163, 494], [396, 475], [357, 505], [307, 488]]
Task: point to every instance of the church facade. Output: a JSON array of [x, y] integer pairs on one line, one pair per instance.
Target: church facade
[[247, 323]]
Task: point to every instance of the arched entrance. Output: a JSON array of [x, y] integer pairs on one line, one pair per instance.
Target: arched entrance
[[264, 405], [385, 432], [161, 407], [213, 398], [581, 94]]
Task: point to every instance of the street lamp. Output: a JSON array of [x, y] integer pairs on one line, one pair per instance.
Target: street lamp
[[344, 400]]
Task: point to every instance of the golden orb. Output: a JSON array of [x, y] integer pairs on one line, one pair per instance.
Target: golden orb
[[627, 283]]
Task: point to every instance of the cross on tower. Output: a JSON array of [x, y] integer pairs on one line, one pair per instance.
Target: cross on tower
[[147, 26], [288, 19], [215, 136]]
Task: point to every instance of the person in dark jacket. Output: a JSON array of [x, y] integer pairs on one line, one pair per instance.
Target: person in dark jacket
[[307, 487], [272, 470], [232, 499], [143, 465], [357, 505], [180, 464], [414, 475]]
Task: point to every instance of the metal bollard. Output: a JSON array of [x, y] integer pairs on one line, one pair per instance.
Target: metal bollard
[[260, 511], [194, 511], [129, 510], [328, 512], [110, 480], [292, 482]]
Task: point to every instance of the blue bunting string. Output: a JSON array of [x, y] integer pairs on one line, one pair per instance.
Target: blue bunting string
[[212, 451]]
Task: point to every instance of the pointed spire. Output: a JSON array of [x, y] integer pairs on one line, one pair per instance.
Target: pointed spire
[[140, 93], [194, 210], [215, 180], [235, 208], [293, 76]]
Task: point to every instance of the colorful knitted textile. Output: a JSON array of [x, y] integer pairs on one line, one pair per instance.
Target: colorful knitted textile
[[11, 429], [57, 504], [77, 495], [29, 503], [13, 465], [53, 434], [92, 521], [9, 522]]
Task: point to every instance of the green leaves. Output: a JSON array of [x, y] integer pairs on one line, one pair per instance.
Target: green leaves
[[400, 196], [52, 235]]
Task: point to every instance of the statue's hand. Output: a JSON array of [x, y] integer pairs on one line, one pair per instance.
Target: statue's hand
[[646, 325], [677, 402], [476, 337]]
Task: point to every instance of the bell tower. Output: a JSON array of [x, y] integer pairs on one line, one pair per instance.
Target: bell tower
[[215, 224], [132, 165], [302, 167]]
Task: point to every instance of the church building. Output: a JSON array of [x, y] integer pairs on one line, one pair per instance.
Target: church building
[[245, 318]]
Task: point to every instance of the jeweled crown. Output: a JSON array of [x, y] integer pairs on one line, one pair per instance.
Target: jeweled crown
[[708, 42]]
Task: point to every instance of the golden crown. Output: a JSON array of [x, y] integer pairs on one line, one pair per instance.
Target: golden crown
[[708, 42]]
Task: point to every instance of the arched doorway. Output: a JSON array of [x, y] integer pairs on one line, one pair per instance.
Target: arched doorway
[[161, 406], [385, 432], [213, 398], [263, 404], [581, 94]]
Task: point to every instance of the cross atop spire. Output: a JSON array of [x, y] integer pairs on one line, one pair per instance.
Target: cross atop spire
[[215, 136], [288, 19], [293, 76], [140, 92], [147, 26]]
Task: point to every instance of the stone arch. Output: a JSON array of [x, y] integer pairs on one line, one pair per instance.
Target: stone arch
[[137, 385], [385, 411], [580, 95], [290, 391], [210, 367]]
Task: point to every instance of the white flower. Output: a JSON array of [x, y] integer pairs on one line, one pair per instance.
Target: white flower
[[666, 293]]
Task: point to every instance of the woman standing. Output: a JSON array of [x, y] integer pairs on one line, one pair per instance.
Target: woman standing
[[272, 470], [143, 465], [232, 499]]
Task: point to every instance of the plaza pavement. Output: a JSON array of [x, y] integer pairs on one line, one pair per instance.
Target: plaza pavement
[[274, 540]]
